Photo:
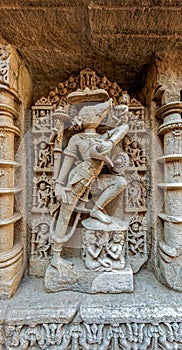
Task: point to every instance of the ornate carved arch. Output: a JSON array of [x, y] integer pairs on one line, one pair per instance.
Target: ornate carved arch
[[86, 78]]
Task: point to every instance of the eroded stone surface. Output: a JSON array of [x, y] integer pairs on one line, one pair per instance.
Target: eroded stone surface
[[94, 320], [120, 47], [58, 39]]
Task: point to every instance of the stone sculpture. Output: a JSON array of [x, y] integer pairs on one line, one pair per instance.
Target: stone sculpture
[[137, 242], [43, 195], [139, 335], [84, 158], [93, 150], [42, 241], [44, 155], [103, 251], [83, 136]]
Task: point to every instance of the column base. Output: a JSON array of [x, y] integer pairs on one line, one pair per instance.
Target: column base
[[171, 271], [11, 271]]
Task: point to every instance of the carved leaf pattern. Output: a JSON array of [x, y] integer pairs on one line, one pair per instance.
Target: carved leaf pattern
[[84, 336]]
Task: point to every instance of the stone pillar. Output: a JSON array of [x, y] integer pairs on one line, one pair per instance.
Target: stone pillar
[[12, 248], [163, 85], [170, 248]]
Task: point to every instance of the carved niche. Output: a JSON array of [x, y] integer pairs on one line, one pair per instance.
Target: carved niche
[[55, 121]]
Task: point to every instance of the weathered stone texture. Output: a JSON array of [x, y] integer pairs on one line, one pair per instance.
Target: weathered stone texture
[[138, 45], [58, 39], [12, 125], [149, 318], [169, 69]]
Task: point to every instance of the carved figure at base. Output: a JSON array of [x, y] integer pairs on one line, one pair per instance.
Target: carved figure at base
[[93, 252], [103, 251], [42, 241], [84, 157], [115, 250]]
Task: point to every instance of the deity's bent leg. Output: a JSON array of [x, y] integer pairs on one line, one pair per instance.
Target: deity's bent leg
[[117, 185]]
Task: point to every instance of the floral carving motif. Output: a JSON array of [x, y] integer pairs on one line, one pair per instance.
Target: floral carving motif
[[141, 336]]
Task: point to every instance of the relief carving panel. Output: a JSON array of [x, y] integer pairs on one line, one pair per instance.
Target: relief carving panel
[[164, 335], [90, 168]]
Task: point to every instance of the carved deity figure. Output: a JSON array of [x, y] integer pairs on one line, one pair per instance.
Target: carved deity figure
[[84, 157], [136, 192], [136, 239], [43, 195], [57, 134], [134, 153], [42, 241], [43, 121], [44, 155], [93, 252], [103, 251], [115, 250]]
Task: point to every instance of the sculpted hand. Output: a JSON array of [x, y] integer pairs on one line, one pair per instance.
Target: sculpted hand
[[100, 150], [59, 191], [109, 146], [105, 147]]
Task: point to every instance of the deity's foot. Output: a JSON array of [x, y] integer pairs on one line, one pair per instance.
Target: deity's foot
[[60, 264], [99, 215]]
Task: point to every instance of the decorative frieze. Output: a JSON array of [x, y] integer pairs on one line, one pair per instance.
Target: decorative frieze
[[76, 335]]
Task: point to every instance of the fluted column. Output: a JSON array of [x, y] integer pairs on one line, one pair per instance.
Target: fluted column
[[170, 248], [10, 250], [14, 95]]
